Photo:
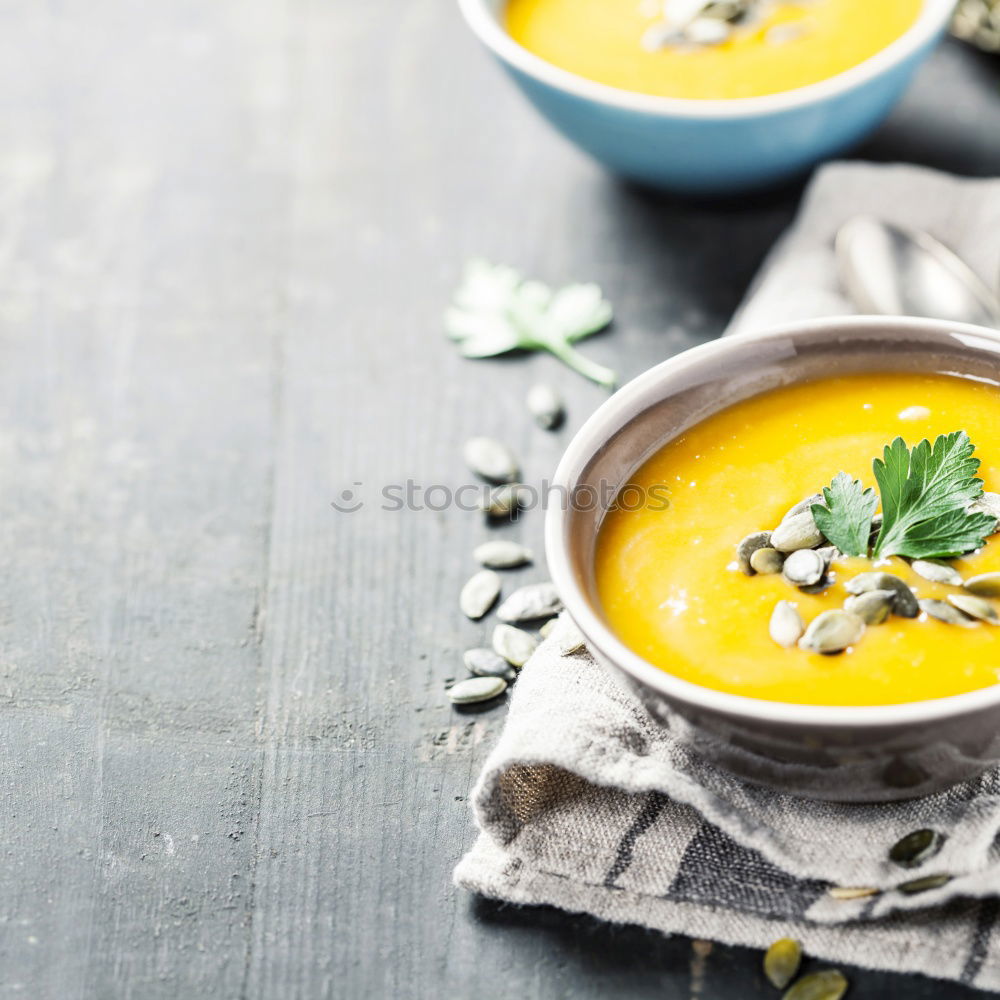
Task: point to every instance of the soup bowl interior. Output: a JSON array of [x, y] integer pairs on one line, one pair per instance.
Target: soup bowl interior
[[837, 752]]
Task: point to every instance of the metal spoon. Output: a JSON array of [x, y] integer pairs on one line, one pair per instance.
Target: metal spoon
[[890, 270]]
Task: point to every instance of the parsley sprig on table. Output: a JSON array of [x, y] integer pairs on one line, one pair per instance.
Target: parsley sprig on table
[[925, 492], [495, 310]]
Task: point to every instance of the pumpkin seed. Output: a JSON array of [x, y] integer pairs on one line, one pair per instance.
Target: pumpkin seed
[[572, 641], [914, 413], [546, 406], [491, 459], [485, 663], [937, 572], [796, 532], [706, 31], [872, 607], [786, 625], [537, 600], [501, 554], [843, 892], [476, 689], [778, 34], [826, 985], [924, 884], [905, 604], [766, 560], [832, 632], [984, 585], [986, 503], [803, 505], [976, 607], [915, 848], [513, 644], [876, 527], [781, 962], [804, 568], [479, 594], [748, 546], [830, 553], [504, 501], [944, 612], [547, 629]]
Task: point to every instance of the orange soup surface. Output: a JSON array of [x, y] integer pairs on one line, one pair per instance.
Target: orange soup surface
[[787, 45], [670, 588]]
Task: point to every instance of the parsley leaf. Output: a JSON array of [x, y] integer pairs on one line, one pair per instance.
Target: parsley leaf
[[925, 492], [846, 519], [495, 310]]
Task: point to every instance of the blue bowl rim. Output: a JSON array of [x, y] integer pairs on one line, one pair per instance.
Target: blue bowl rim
[[481, 16]]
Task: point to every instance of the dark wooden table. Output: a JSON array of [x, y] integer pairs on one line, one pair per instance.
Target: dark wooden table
[[227, 232]]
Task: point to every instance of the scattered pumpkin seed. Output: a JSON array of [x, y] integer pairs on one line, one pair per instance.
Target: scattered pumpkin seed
[[845, 892], [804, 567], [491, 459], [766, 560], [832, 632], [937, 572], [915, 848], [986, 503], [504, 502], [876, 527], [826, 985], [502, 554], [479, 594], [924, 884], [786, 625], [914, 413], [905, 605], [572, 641], [513, 644], [782, 961], [526, 604], [547, 629], [872, 607], [748, 546], [830, 553], [984, 585], [796, 532], [976, 607], [476, 689], [485, 663], [944, 612], [546, 406], [804, 505]]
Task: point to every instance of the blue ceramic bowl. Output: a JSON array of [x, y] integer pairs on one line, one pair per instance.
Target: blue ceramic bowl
[[714, 146]]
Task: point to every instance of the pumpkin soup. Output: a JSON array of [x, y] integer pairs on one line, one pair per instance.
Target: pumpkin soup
[[843, 516], [699, 49]]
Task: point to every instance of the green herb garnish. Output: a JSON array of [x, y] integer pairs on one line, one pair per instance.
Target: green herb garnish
[[846, 519], [495, 310], [925, 493]]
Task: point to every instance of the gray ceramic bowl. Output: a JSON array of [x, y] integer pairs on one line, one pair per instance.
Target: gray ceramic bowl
[[839, 753]]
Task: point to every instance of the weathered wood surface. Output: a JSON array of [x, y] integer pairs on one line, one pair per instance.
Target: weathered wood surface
[[227, 232]]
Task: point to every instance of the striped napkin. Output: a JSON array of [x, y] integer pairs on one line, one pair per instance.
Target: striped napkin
[[588, 805]]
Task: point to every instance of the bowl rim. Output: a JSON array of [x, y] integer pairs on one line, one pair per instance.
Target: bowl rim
[[479, 15], [615, 413]]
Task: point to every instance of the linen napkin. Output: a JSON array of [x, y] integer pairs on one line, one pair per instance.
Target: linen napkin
[[589, 805]]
